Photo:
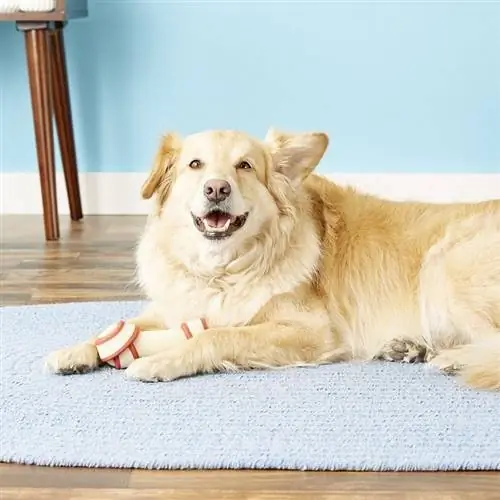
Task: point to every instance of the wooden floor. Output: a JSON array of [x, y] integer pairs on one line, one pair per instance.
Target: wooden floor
[[94, 260]]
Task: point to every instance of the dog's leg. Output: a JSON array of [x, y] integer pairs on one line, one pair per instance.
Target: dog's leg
[[83, 357], [459, 289], [267, 345], [460, 301]]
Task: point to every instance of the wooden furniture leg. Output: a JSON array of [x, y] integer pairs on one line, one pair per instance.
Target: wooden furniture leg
[[64, 122], [38, 57]]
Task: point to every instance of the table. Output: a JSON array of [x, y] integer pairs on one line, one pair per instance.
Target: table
[[50, 98]]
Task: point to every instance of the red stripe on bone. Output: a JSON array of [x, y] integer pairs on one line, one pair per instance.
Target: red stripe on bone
[[186, 330], [133, 351]]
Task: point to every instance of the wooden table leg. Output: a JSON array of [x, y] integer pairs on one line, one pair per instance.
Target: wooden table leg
[[38, 57], [62, 113]]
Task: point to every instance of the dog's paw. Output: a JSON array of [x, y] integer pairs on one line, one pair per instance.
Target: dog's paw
[[474, 365], [453, 361], [404, 351], [157, 368], [81, 358]]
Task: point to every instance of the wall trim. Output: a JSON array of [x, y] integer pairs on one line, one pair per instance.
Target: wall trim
[[118, 193]]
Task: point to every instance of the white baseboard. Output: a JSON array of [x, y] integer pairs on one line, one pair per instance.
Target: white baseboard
[[119, 193]]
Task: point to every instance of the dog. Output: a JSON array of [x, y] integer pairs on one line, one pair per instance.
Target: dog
[[290, 269]]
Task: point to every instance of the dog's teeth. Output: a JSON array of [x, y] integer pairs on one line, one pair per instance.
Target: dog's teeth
[[213, 229]]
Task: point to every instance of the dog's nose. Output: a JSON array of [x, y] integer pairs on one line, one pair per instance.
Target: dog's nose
[[217, 190]]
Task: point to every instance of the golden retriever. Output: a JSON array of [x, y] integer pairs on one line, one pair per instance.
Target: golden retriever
[[290, 269]]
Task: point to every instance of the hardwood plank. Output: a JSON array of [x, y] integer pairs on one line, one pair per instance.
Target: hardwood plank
[[244, 480], [30, 476], [14, 299], [82, 261], [55, 275], [74, 292], [22, 254], [167, 494], [93, 260]]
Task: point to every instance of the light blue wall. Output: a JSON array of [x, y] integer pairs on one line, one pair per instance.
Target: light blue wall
[[399, 86]]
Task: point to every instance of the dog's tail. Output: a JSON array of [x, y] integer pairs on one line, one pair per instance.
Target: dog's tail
[[478, 365]]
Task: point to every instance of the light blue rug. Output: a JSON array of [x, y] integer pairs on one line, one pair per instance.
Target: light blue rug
[[378, 416]]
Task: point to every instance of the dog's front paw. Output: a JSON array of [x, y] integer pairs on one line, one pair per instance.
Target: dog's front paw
[[81, 358], [157, 368]]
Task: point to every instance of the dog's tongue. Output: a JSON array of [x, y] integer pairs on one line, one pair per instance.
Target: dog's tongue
[[217, 219]]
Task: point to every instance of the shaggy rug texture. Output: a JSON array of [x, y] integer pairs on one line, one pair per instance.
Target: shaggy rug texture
[[375, 416]]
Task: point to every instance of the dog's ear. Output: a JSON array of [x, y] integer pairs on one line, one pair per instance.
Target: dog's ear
[[160, 177], [296, 155]]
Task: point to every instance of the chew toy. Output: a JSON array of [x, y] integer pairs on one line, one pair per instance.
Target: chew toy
[[122, 343]]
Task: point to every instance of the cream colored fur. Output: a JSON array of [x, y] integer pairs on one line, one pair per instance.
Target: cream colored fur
[[317, 274]]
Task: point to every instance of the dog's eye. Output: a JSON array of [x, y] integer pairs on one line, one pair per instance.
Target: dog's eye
[[195, 164], [244, 165]]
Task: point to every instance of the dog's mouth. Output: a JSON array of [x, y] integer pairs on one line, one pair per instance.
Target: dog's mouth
[[217, 224]]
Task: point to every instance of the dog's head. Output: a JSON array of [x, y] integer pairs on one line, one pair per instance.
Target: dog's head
[[225, 186]]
